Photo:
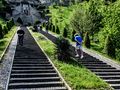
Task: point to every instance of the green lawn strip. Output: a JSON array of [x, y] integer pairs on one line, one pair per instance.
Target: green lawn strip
[[6, 40], [77, 76]]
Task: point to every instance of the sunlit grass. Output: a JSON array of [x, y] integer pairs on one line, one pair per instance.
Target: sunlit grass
[[77, 76]]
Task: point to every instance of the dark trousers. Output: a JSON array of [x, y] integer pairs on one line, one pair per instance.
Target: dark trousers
[[20, 40]]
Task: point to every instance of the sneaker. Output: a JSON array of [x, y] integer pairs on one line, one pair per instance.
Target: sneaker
[[77, 55], [82, 57]]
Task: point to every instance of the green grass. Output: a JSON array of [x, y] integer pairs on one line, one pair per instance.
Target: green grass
[[77, 76], [5, 41]]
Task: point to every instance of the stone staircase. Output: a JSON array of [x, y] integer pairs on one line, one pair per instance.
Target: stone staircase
[[32, 70], [107, 72]]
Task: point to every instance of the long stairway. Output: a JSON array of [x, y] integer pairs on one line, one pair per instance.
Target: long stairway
[[32, 70], [108, 73]]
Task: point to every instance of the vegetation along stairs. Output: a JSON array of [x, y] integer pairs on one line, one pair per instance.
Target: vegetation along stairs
[[32, 70], [107, 72]]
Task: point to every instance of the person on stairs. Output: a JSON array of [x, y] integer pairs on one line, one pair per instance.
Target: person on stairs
[[20, 33], [79, 51]]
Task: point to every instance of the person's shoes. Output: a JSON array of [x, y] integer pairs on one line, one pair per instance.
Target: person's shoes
[[81, 57], [77, 55]]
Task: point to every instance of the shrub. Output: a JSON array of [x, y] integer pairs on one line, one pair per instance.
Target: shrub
[[62, 49], [1, 32], [57, 30], [8, 24], [87, 40], [65, 33], [5, 29], [53, 28], [109, 47], [19, 20], [35, 28], [73, 33]]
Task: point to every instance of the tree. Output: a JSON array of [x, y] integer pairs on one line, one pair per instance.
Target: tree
[[65, 33], [109, 47], [87, 40], [57, 30], [1, 32], [5, 29], [19, 20]]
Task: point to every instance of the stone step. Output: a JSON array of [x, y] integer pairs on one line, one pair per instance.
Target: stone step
[[30, 57], [105, 70], [35, 85], [32, 68], [40, 61], [25, 75], [113, 81], [44, 88], [92, 63], [110, 77], [43, 79], [107, 73], [34, 71], [24, 62], [97, 65], [93, 67], [115, 86], [28, 65]]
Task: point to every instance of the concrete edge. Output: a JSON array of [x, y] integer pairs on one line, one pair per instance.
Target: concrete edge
[[12, 45], [1, 58], [69, 88]]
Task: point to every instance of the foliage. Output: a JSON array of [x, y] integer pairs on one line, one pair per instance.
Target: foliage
[[77, 76], [109, 47], [87, 40], [73, 33], [1, 32], [62, 49], [57, 30], [65, 32], [19, 20], [53, 28], [5, 29]]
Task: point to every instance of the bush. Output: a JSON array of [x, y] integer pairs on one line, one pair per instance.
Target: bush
[[19, 20], [87, 40], [57, 30], [109, 47], [1, 32], [35, 29], [8, 24], [5, 29], [53, 28], [73, 33], [65, 33], [62, 49]]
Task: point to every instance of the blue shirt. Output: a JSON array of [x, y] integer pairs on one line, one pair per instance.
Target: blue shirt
[[78, 40]]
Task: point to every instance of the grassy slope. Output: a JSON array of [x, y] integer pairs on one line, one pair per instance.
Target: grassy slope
[[4, 42], [77, 76]]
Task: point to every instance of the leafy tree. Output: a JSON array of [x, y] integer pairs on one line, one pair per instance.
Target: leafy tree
[[62, 49], [5, 29], [87, 40], [65, 33], [1, 32], [57, 30], [109, 47], [19, 20]]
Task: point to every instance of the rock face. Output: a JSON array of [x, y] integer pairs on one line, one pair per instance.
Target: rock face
[[26, 12]]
